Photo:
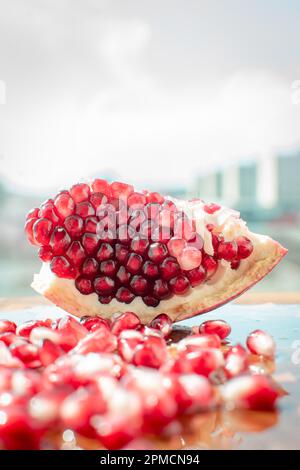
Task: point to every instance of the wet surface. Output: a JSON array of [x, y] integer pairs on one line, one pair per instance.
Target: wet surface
[[233, 429]]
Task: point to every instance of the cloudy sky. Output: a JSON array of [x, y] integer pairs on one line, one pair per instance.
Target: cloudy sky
[[149, 91]]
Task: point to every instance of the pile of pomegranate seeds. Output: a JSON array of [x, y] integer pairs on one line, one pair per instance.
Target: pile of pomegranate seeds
[[115, 381], [122, 244]]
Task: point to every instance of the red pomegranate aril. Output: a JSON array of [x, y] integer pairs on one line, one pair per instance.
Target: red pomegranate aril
[[122, 253], [91, 224], [85, 209], [24, 329], [192, 392], [176, 246], [196, 242], [157, 252], [84, 285], [9, 338], [150, 301], [76, 253], [62, 267], [45, 253], [105, 252], [105, 299], [218, 327], [127, 342], [169, 268], [203, 361], [261, 343], [47, 211], [150, 270], [199, 341], [190, 258], [254, 392], [108, 268], [124, 295], [211, 208], [183, 229], [17, 430], [60, 241], [162, 323], [227, 250], [236, 361], [151, 353], [64, 205], [7, 326], [137, 218], [152, 210], [71, 326], [179, 284], [161, 289], [121, 189], [97, 199], [139, 245], [244, 247], [100, 340], [155, 198], [49, 352], [29, 230], [27, 353], [134, 263], [42, 230], [90, 243], [125, 321], [137, 200], [161, 234], [74, 225], [90, 267], [123, 276], [104, 285], [139, 285], [196, 276], [101, 186], [80, 192], [235, 264], [210, 265], [166, 218], [33, 213]]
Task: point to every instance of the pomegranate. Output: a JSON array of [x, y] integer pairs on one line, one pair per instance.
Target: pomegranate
[[108, 249]]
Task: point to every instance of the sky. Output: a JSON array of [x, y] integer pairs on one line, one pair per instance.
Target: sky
[[152, 92]]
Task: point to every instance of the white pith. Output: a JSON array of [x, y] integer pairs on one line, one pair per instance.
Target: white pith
[[225, 285]]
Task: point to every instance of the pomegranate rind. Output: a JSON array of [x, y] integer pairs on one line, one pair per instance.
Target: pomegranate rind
[[224, 286]]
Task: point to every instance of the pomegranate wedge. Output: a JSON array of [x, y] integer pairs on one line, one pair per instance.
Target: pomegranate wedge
[[107, 248]]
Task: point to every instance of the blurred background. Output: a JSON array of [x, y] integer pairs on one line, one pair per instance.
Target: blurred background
[[187, 97]]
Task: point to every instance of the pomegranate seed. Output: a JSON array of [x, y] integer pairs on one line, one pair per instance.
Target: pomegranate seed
[[105, 252], [176, 246], [105, 299], [104, 285], [227, 250], [8, 338], [127, 342], [190, 258], [211, 208], [210, 265], [108, 268], [90, 267], [162, 323], [150, 301], [85, 209], [150, 270], [157, 252], [90, 243], [101, 186], [98, 199], [17, 431], [134, 263], [70, 326], [139, 285], [84, 285], [137, 200], [80, 192], [256, 392], [27, 353], [74, 225], [218, 327], [155, 197], [26, 383], [48, 211], [42, 230], [121, 189], [49, 352], [64, 205], [161, 289], [26, 328], [194, 342], [183, 229], [91, 224], [139, 245], [7, 326], [60, 240], [235, 264], [169, 268], [123, 276], [236, 361], [33, 213], [6, 357], [100, 340], [45, 253], [202, 361], [76, 253], [29, 230], [93, 323], [244, 247], [62, 268], [196, 276], [261, 343], [45, 406], [193, 393], [125, 321], [179, 285], [151, 353]]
